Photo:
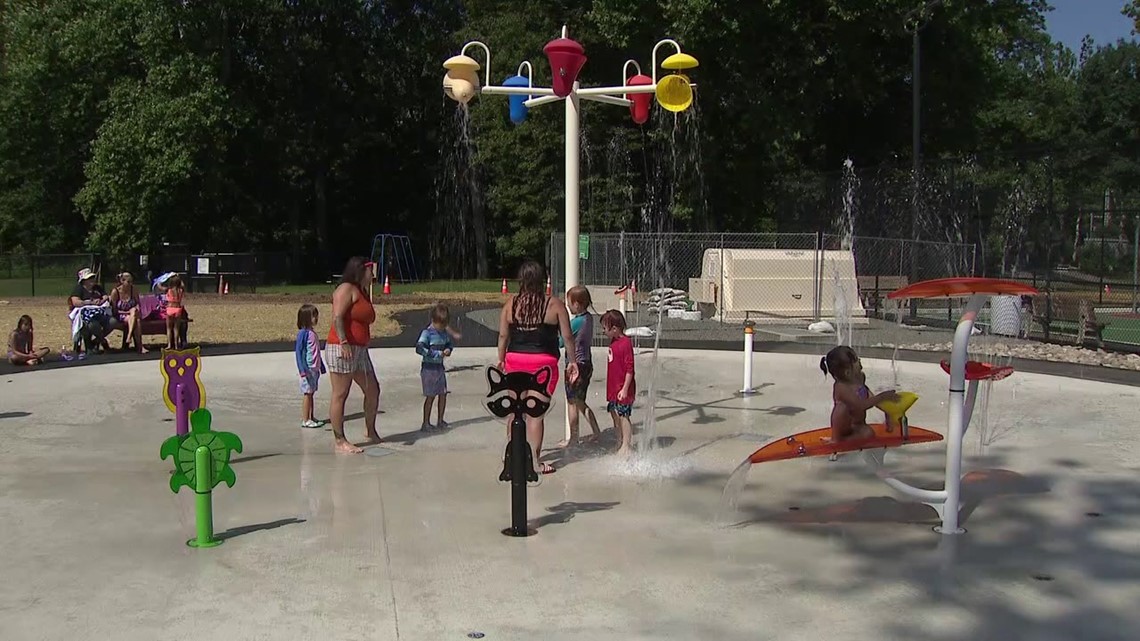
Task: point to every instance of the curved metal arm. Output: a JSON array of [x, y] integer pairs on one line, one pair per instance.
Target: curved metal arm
[[487, 50], [529, 72], [625, 70], [654, 57]]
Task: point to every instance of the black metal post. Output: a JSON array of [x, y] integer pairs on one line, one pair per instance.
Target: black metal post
[[509, 399], [916, 20], [520, 461]]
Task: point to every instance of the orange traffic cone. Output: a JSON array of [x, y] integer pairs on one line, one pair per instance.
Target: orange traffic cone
[[387, 286], [549, 287], [633, 289], [504, 290], [226, 289]]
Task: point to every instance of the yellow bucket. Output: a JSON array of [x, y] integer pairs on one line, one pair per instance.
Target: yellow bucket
[[896, 409], [674, 92]]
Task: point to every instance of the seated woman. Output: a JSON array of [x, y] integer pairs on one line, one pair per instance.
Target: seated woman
[[21, 344], [125, 302], [88, 309]]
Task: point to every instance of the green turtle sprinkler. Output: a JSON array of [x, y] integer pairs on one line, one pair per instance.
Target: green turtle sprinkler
[[201, 461]]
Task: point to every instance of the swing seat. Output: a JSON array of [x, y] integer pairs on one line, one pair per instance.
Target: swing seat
[[976, 371], [818, 443]]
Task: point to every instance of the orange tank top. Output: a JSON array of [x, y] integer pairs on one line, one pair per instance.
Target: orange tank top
[[360, 316]]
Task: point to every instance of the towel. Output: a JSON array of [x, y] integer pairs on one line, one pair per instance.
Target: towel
[[149, 305], [76, 316]]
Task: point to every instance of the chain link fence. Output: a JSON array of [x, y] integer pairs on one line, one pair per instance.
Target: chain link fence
[[716, 281], [41, 274], [32, 275]]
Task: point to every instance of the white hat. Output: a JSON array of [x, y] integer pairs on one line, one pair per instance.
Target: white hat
[[85, 273]]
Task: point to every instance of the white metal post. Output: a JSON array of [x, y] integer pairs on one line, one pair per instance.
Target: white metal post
[[958, 356], [748, 337], [572, 154], [572, 159]]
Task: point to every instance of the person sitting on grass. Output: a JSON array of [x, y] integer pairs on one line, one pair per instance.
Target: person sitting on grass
[[21, 349]]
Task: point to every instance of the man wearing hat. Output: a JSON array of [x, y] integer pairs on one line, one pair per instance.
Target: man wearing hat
[[94, 321]]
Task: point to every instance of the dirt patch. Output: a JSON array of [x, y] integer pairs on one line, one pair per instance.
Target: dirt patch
[[233, 319]]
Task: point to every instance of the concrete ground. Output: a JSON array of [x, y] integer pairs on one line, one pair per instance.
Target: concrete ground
[[406, 545]]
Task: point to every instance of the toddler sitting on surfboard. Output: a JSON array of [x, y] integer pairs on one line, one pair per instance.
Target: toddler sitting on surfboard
[[851, 395]]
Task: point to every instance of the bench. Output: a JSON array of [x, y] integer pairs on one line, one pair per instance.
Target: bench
[[154, 326], [874, 289], [1067, 315]]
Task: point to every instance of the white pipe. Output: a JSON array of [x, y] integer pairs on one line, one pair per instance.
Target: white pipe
[[957, 432], [926, 496], [543, 100], [607, 91], [971, 396], [610, 100], [748, 339], [517, 91], [572, 159], [625, 70], [487, 50], [529, 72], [654, 56]]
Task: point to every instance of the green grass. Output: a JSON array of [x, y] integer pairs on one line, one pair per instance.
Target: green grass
[[428, 286], [1120, 329], [19, 287]]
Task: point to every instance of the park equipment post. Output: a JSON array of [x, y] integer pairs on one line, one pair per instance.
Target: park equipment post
[[517, 395], [520, 463], [201, 461], [181, 415], [748, 390], [674, 92], [203, 500]]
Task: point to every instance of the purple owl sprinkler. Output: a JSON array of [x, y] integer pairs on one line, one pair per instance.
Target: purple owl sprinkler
[[182, 389]]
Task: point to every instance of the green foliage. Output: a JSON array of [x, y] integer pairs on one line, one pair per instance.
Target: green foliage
[[146, 180], [261, 125]]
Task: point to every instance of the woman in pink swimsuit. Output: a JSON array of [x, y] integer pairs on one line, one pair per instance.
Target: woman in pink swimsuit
[[529, 326]]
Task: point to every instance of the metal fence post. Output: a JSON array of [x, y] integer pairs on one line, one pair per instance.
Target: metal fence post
[[719, 298], [817, 294]]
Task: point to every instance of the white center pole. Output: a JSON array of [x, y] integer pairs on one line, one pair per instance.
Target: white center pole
[[957, 431], [572, 159]]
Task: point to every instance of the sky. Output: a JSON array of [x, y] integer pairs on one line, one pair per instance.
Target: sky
[[1070, 20]]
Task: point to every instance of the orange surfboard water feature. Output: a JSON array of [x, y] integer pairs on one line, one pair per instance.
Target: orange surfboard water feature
[[818, 443]]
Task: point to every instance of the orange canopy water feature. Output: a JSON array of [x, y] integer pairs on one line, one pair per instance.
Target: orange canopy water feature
[[962, 286]]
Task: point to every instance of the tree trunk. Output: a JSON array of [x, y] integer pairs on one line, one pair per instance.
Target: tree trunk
[[479, 227], [321, 211], [295, 266]]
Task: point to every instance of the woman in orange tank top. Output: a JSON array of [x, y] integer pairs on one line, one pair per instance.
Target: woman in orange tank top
[[346, 353]]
